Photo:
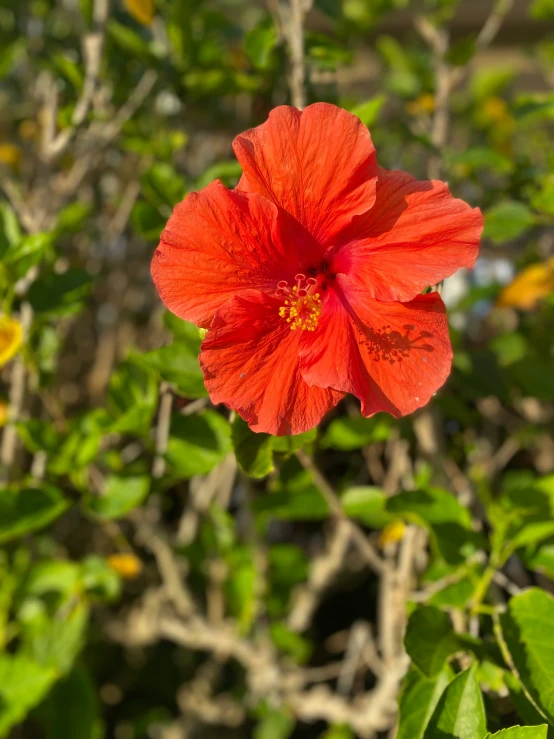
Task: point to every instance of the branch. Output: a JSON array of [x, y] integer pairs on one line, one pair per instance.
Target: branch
[[358, 537], [292, 14], [323, 571], [93, 44]]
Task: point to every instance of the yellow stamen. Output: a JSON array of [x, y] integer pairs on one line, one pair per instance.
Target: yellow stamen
[[302, 312]]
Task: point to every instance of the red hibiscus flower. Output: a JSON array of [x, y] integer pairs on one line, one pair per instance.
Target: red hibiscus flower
[[310, 274]]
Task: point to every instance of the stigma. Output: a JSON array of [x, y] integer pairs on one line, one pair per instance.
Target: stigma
[[302, 306]]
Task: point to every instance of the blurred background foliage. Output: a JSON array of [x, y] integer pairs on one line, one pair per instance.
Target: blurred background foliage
[[153, 588]]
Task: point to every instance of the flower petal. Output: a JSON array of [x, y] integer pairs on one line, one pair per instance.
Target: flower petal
[[250, 363], [218, 242], [415, 235], [318, 164], [392, 356]]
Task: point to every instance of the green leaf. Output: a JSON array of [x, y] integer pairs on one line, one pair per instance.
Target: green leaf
[[99, 579], [184, 332], [542, 9], [534, 107], [241, 586], [132, 399], [260, 41], [418, 700], [430, 639], [461, 51], [54, 576], [129, 40], [543, 199], [54, 641], [326, 53], [197, 443], [19, 259], [533, 376], [60, 295], [147, 220], [121, 495], [368, 505], [354, 432], [162, 186], [72, 709], [533, 533], [525, 709], [291, 642], [70, 219], [460, 713], [290, 444], [254, 452], [29, 509], [521, 732], [10, 232], [228, 171], [274, 725], [339, 732], [527, 632], [368, 112], [443, 515], [481, 157], [489, 81], [23, 684], [507, 220], [178, 365]]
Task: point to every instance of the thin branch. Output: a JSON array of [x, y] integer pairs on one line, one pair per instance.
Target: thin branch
[[162, 431], [323, 570], [93, 44], [359, 538], [292, 14]]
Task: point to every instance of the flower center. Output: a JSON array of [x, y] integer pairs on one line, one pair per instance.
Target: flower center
[[302, 306]]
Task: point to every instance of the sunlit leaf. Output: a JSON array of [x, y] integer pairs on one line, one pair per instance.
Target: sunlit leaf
[[460, 713], [29, 509], [527, 632], [418, 700], [23, 684], [254, 452]]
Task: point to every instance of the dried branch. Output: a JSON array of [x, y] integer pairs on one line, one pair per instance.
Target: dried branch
[[359, 538], [53, 145], [162, 431], [323, 571], [292, 14]]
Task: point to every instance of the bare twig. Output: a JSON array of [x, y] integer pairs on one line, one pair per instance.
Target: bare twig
[[162, 431], [361, 541], [53, 145], [323, 571], [292, 14]]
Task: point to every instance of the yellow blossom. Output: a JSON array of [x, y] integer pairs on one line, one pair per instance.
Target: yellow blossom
[[10, 155], [141, 10], [423, 105], [392, 533], [126, 565], [529, 287], [11, 336], [3, 413]]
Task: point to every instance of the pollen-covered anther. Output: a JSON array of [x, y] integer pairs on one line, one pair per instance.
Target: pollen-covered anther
[[302, 307]]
